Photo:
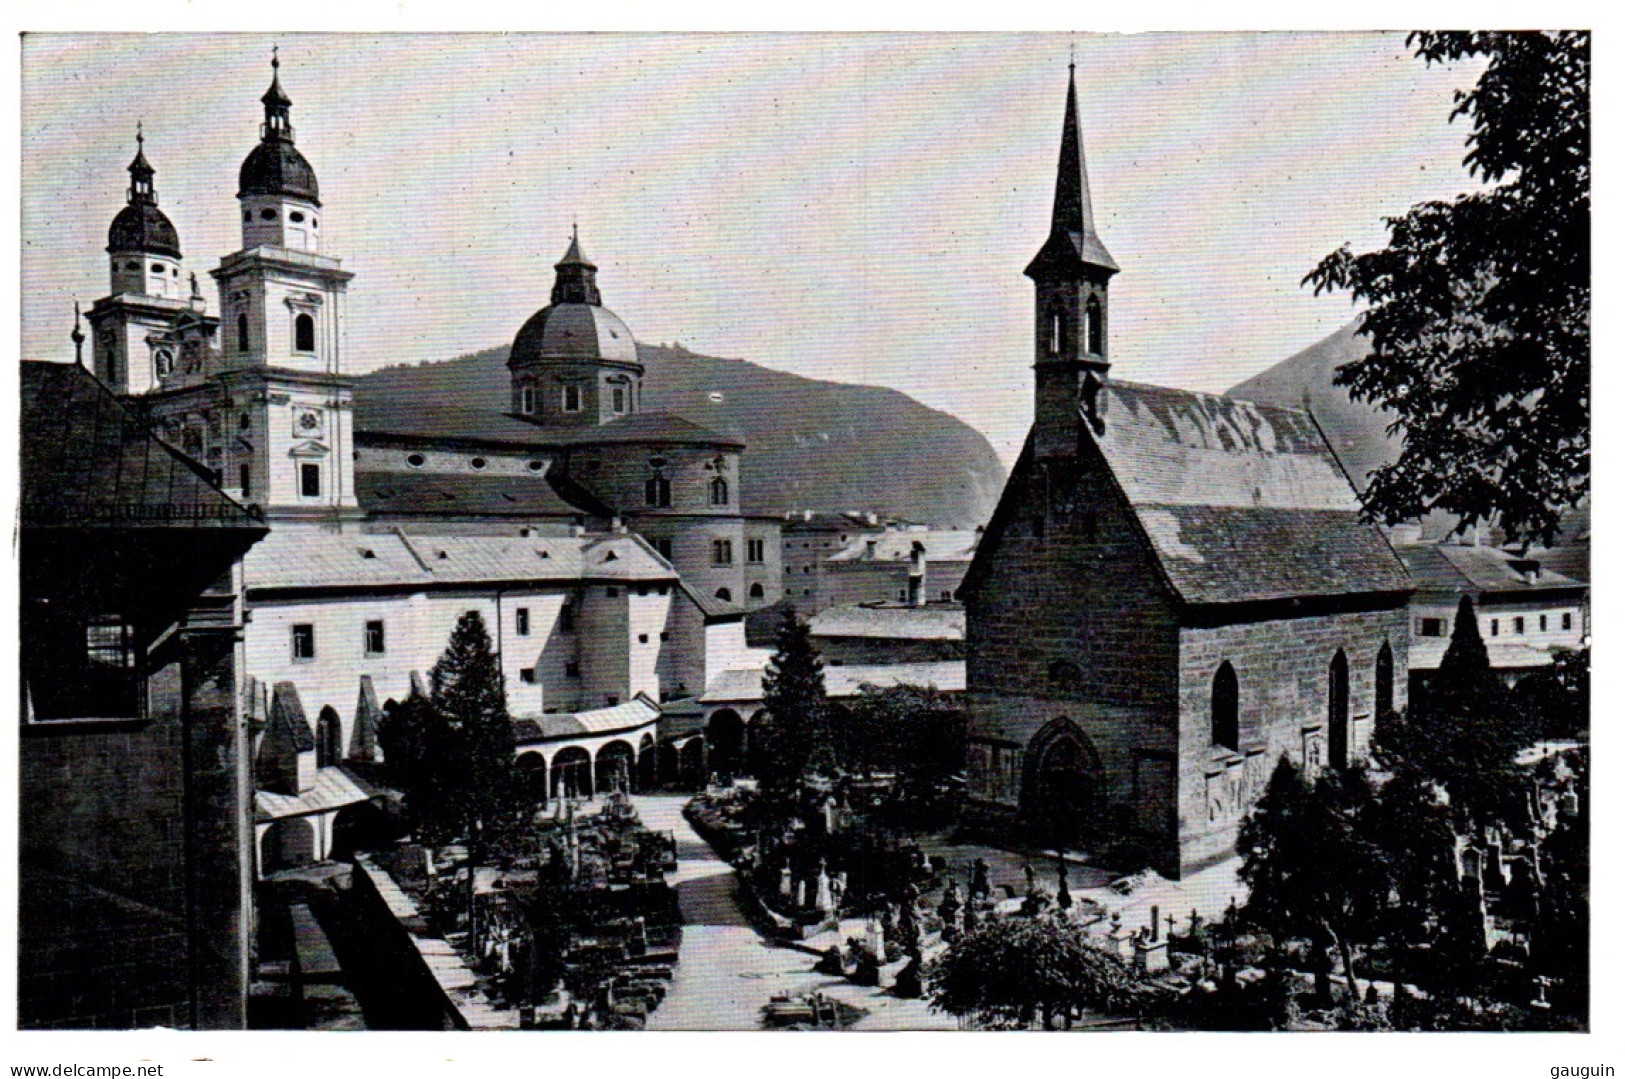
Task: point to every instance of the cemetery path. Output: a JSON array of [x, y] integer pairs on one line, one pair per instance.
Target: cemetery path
[[725, 970]]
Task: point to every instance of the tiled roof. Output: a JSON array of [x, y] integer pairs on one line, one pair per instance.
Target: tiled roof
[[416, 493], [890, 622], [334, 787], [710, 606], [1454, 569], [89, 461], [941, 545], [287, 559], [548, 727], [425, 418], [1241, 501], [841, 682], [1572, 560]]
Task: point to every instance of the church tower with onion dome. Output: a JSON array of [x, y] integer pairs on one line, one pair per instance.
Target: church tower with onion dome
[[136, 331]]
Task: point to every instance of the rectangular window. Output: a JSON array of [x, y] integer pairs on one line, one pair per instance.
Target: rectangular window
[[755, 550], [527, 675], [304, 641], [1430, 627], [572, 669], [375, 638], [80, 666], [527, 399], [244, 480], [618, 400], [521, 621], [610, 700], [310, 480], [1495, 627], [1568, 620], [1517, 625], [722, 552], [1543, 623], [643, 638], [572, 398]]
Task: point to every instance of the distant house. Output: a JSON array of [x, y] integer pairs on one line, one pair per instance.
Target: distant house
[[133, 905], [874, 633], [806, 540], [1176, 591], [1526, 612], [904, 565]]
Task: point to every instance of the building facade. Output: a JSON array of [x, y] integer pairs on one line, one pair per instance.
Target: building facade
[[1175, 591]]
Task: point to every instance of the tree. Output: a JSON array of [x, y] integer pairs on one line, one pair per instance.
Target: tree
[[1008, 971], [413, 739], [918, 731], [467, 693], [1555, 701], [1462, 732], [1310, 868], [797, 705], [1479, 308]]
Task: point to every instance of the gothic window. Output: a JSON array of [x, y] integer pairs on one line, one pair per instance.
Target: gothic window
[[310, 480], [657, 491], [304, 333], [1095, 326], [572, 398], [1385, 680], [527, 399], [242, 332], [1337, 710], [719, 492], [1224, 719]]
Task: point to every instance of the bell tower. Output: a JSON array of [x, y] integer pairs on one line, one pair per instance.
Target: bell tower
[[1071, 274], [283, 358]]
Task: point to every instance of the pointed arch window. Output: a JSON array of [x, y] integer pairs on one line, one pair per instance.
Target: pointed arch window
[[1094, 320], [304, 333], [657, 491], [1337, 710], [242, 331], [1384, 703], [1224, 708], [719, 492]]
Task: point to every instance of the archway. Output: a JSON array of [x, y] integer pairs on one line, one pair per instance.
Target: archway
[[1061, 787], [572, 772], [647, 763], [329, 738], [667, 763], [691, 763], [288, 844], [1337, 711], [532, 769], [614, 766], [725, 741]]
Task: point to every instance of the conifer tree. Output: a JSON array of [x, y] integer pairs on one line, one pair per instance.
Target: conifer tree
[[467, 693], [793, 695]]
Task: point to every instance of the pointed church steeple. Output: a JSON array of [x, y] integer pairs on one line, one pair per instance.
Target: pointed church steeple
[[1073, 241], [141, 172], [1071, 276]]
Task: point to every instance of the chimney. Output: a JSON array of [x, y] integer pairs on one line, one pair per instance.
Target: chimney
[[916, 575]]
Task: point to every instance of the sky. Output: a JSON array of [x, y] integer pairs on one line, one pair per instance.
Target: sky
[[856, 207]]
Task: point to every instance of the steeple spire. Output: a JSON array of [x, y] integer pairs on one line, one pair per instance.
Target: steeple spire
[[277, 103], [78, 337], [576, 278], [141, 172], [1072, 223]]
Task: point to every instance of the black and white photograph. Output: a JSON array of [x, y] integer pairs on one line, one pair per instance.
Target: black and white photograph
[[814, 531]]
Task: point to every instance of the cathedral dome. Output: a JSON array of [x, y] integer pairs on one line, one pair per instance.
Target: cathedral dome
[[142, 227], [574, 331], [276, 167]]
